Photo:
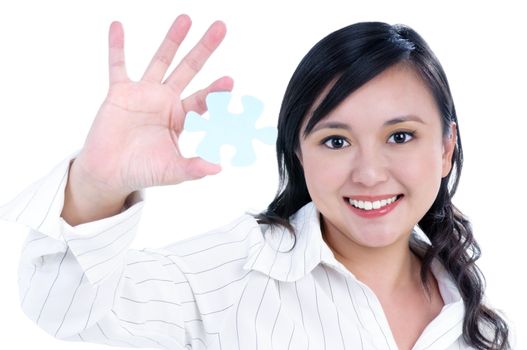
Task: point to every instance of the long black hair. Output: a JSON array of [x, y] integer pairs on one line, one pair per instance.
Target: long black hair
[[347, 59]]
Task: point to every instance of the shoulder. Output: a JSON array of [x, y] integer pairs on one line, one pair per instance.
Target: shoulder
[[223, 245]]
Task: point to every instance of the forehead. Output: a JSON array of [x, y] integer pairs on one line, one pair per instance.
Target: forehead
[[397, 91]]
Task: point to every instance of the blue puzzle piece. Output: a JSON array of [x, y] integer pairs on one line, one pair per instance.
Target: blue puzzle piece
[[227, 128]]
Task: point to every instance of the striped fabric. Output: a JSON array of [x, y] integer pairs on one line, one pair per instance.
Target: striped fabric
[[232, 288]]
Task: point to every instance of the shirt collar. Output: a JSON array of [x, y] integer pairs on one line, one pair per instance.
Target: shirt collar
[[272, 254]]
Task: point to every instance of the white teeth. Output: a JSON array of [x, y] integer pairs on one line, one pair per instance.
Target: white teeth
[[366, 205]]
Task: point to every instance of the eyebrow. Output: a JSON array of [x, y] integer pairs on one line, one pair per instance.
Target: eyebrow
[[393, 121]]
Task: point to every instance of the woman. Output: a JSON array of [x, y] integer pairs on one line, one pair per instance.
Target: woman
[[368, 145]]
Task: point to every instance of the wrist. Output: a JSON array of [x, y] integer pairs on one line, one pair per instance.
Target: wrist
[[87, 200]]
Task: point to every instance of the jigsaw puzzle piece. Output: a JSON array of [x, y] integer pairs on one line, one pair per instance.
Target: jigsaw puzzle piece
[[252, 108], [227, 128], [195, 122], [244, 155], [209, 149], [266, 135]]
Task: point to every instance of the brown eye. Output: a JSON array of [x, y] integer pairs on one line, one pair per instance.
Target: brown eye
[[401, 137], [335, 142]]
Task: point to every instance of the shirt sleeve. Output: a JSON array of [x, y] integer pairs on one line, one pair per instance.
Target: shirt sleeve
[[84, 283]]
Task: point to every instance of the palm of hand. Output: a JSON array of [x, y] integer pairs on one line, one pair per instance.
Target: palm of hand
[[133, 142]]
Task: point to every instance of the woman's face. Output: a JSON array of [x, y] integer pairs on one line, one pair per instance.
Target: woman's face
[[383, 142]]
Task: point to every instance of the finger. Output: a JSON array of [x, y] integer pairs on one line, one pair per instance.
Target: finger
[[196, 168], [116, 53], [196, 101], [165, 54], [196, 58]]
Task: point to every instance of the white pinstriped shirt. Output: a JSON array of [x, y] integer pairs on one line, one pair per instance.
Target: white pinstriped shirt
[[226, 289]]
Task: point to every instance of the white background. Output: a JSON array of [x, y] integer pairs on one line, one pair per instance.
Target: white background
[[53, 77]]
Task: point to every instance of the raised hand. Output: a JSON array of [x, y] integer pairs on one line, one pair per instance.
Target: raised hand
[[133, 142]]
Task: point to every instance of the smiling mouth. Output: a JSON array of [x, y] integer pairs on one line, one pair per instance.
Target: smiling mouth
[[367, 205]]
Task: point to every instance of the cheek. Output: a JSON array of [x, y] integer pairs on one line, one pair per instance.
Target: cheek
[[422, 170], [324, 173]]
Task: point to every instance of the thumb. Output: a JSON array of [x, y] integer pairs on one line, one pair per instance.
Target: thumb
[[195, 168]]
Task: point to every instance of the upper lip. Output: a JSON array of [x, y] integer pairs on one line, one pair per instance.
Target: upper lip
[[373, 198]]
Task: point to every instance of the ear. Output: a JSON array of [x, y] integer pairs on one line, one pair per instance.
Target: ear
[[449, 145]]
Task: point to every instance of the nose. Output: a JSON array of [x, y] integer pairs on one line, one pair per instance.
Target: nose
[[368, 168]]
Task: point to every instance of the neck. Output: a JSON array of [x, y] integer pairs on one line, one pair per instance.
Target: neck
[[385, 269]]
